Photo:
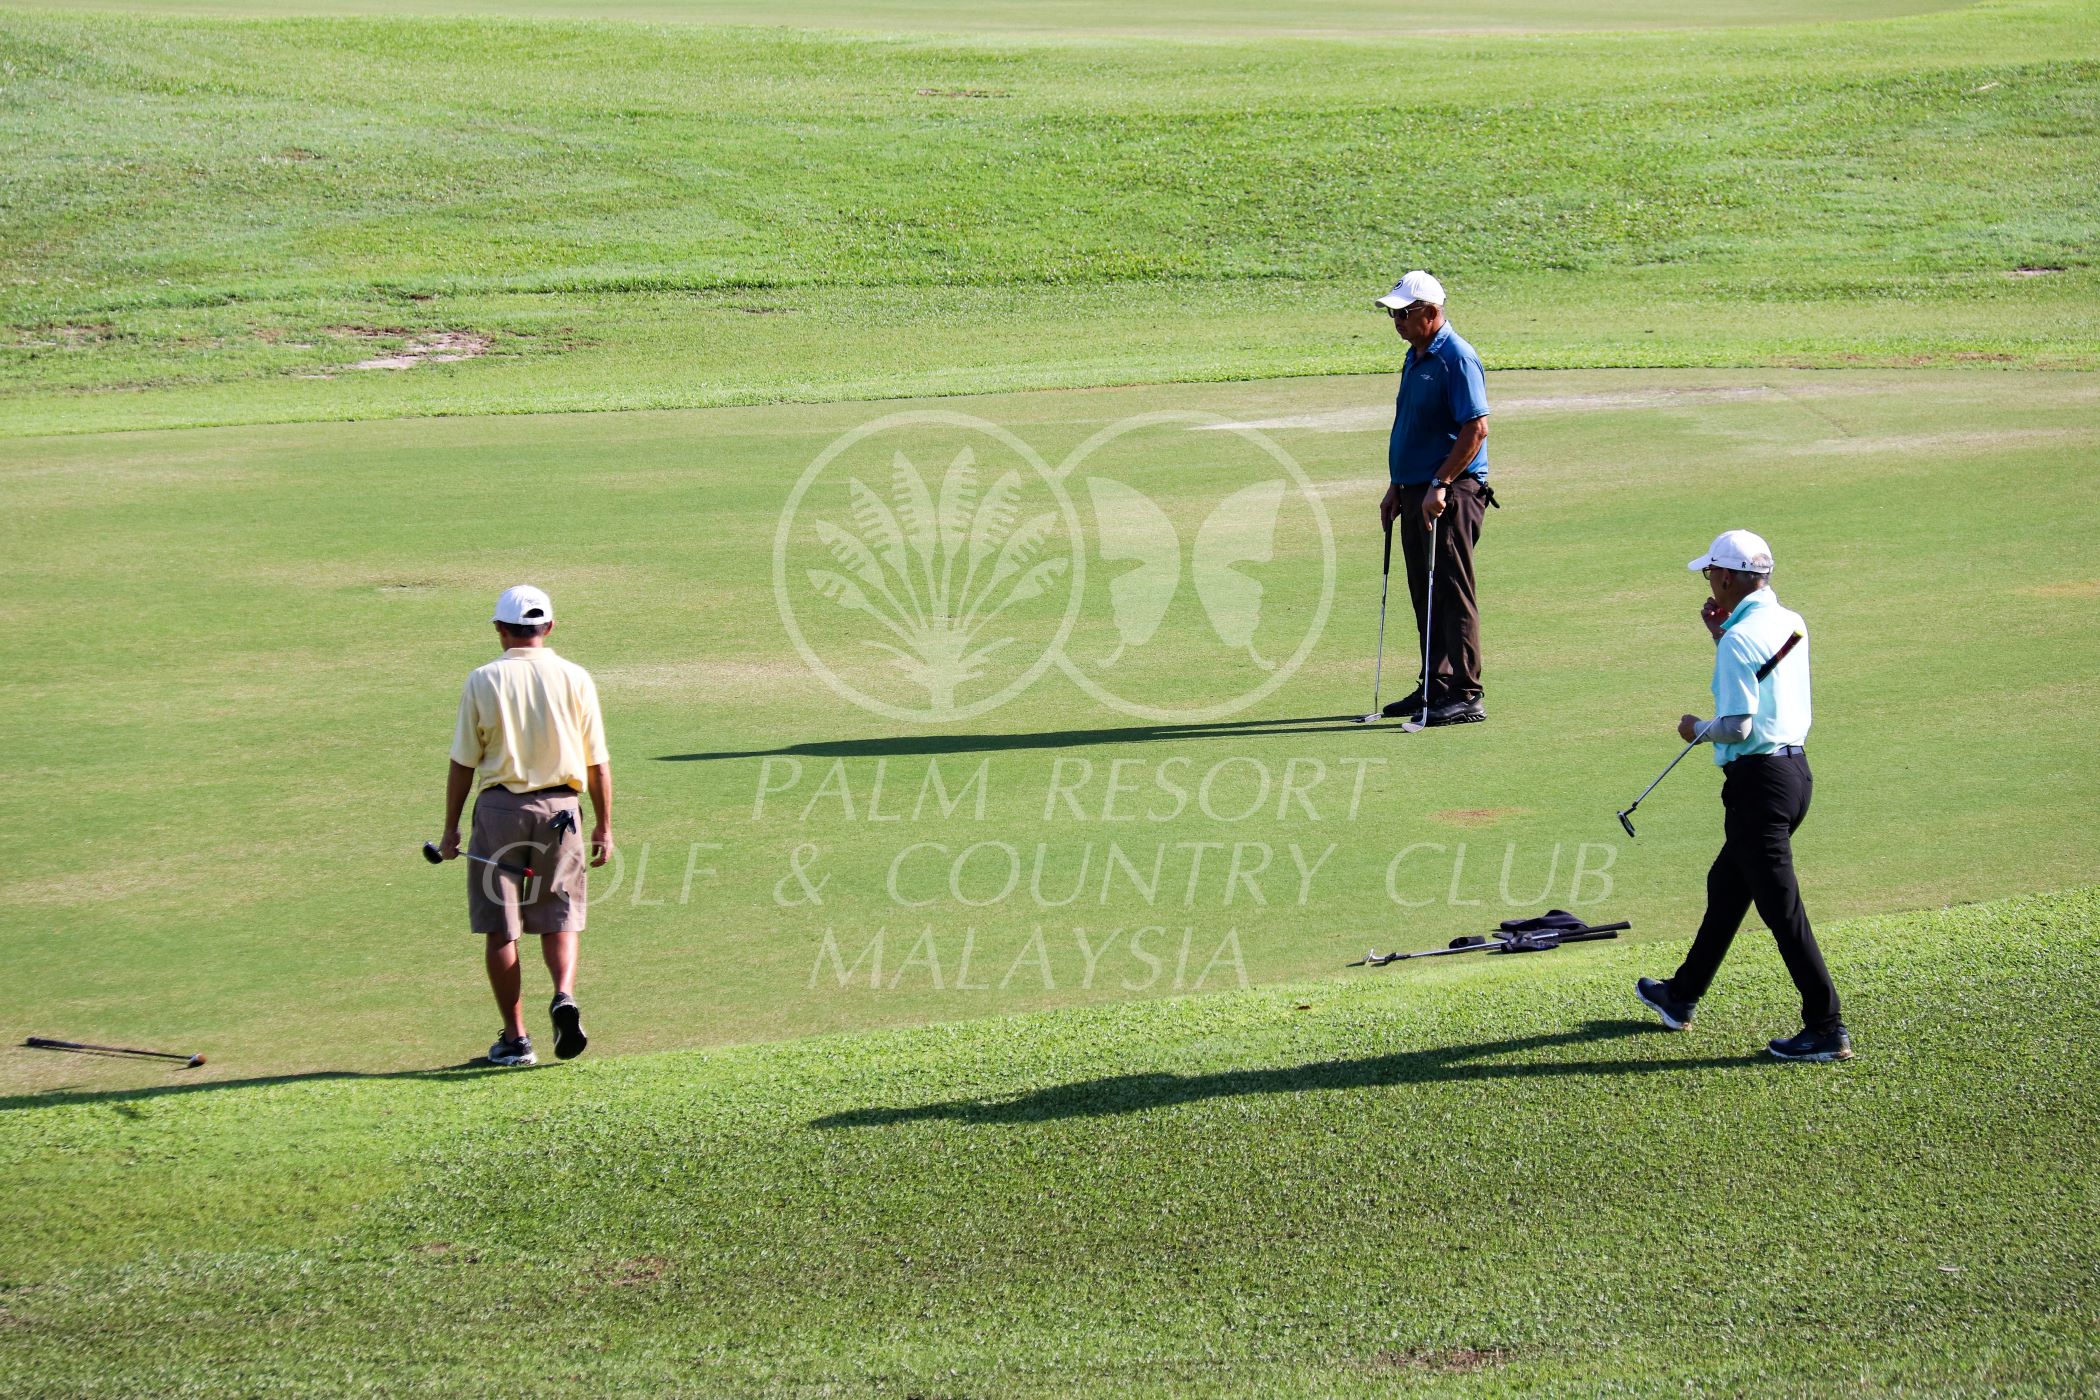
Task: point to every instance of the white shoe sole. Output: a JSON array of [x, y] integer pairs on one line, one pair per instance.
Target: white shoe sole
[[1669, 1022]]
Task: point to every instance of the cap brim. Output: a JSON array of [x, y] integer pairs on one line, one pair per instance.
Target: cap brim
[[1393, 303], [1703, 561]]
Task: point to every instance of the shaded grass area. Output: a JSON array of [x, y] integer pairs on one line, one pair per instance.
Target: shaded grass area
[[204, 211], [1492, 1177], [225, 860]]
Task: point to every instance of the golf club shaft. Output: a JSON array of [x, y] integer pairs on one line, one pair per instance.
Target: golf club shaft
[[504, 865], [44, 1043], [1664, 774], [1385, 583]]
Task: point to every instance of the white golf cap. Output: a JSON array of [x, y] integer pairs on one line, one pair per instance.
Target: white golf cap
[[1416, 286], [524, 606], [1736, 549]]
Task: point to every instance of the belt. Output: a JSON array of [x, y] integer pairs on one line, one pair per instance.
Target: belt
[[565, 788], [1783, 751]]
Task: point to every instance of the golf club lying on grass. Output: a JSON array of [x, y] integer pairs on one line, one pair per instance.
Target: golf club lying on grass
[[38, 1042], [1626, 817], [431, 854], [1385, 579], [1511, 941]]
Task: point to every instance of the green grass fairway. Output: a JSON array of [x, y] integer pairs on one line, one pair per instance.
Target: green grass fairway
[[221, 219], [1358, 18], [249, 644], [1492, 1178]]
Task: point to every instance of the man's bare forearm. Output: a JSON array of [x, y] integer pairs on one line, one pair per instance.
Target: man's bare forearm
[[600, 783], [1470, 438], [458, 783]]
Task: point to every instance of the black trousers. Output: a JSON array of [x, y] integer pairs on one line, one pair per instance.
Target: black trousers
[[1765, 797], [1454, 641]]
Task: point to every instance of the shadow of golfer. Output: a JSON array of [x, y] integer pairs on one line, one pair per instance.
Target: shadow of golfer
[[56, 1098], [1133, 1093], [937, 744]]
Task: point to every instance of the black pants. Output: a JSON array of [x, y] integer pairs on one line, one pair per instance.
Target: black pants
[[1765, 797], [1454, 642]]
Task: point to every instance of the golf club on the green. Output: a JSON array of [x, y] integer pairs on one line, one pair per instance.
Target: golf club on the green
[[1626, 817], [431, 854], [1385, 579], [41, 1043], [1508, 942]]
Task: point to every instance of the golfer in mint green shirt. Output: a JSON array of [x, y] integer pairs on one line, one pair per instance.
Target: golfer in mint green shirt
[[1760, 733]]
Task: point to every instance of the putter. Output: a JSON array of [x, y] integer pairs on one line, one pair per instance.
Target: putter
[[1385, 579], [1764, 671], [430, 853], [1518, 943], [41, 1043], [1421, 721]]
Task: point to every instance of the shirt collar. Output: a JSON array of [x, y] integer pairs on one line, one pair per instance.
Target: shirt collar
[[1763, 597], [1436, 343]]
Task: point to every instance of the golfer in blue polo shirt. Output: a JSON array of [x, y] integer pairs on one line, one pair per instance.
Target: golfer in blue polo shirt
[[1758, 732], [1437, 466]]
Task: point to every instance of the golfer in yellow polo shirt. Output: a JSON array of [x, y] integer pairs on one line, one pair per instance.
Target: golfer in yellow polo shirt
[[530, 738]]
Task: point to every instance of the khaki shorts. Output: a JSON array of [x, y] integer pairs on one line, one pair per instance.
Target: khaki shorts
[[515, 829]]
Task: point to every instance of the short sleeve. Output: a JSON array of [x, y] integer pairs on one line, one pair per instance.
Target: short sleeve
[[1735, 676], [467, 748], [1466, 391], [594, 749]]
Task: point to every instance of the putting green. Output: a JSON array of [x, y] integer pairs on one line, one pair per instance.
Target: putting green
[[249, 643]]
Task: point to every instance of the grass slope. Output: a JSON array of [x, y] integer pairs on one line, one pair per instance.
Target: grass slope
[[1163, 18], [225, 860], [209, 214], [1484, 1178]]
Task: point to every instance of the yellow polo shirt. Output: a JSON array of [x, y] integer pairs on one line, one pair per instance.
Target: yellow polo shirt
[[529, 720]]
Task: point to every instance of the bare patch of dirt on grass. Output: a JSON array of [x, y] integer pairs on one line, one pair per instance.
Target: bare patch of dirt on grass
[[638, 1272], [434, 347], [1449, 1361], [2033, 271], [69, 337], [2069, 588], [1477, 816]]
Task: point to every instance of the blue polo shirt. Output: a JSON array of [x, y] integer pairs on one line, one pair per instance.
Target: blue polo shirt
[[1777, 706], [1441, 388]]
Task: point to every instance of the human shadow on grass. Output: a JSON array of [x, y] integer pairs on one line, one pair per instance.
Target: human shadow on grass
[[1134, 1093], [937, 744], [55, 1098]]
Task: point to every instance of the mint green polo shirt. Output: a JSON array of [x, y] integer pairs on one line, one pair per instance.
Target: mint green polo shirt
[[1778, 707]]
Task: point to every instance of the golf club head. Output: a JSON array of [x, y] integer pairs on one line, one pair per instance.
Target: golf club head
[[1413, 726], [1371, 718], [1626, 820], [430, 853]]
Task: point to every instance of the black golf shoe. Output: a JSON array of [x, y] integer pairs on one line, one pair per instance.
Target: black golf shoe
[[1676, 1014], [512, 1052], [569, 1039], [1814, 1045], [1404, 709], [1457, 712]]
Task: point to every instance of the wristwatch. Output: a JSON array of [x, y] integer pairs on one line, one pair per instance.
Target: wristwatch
[[1434, 483]]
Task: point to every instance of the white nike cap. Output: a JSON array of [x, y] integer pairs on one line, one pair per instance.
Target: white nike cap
[[524, 606], [1416, 286], [1736, 549]]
